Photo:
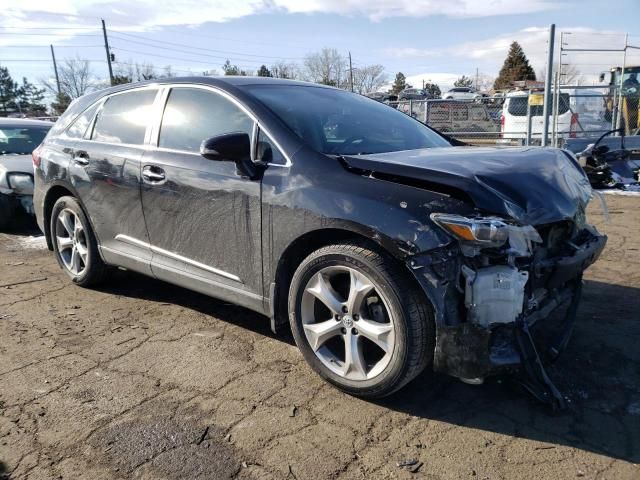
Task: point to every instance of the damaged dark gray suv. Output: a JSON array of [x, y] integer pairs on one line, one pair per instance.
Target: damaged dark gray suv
[[386, 249]]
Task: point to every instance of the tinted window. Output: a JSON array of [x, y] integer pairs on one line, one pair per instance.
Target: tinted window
[[79, 127], [268, 151], [124, 117], [193, 115], [342, 123]]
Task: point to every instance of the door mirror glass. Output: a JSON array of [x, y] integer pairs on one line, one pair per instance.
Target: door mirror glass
[[232, 147]]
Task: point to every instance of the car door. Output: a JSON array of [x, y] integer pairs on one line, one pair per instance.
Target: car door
[[106, 174], [203, 216]]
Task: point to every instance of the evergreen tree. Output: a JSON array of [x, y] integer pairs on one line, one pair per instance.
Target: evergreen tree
[[515, 68], [463, 81], [433, 90], [263, 71], [399, 84], [232, 69], [8, 93], [30, 99], [60, 104]]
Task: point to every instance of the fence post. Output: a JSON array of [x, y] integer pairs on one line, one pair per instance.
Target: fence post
[[427, 105], [410, 107], [547, 85]]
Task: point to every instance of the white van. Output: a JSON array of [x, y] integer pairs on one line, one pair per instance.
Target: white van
[[580, 113]]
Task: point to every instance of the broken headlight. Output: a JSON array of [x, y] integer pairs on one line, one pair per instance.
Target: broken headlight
[[484, 232]]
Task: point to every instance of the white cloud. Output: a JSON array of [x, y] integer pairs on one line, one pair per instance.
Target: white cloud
[[147, 13], [489, 54], [411, 52], [379, 9]]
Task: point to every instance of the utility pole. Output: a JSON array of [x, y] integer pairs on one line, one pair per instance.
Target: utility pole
[[55, 69], [476, 78], [350, 72], [547, 85], [106, 47]]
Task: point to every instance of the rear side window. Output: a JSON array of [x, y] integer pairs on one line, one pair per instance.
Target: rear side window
[[124, 117], [193, 115], [518, 106], [79, 126]]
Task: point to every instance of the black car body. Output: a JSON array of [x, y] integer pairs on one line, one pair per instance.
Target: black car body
[[246, 230]]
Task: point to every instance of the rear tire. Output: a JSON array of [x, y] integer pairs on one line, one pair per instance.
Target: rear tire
[[74, 244], [385, 333]]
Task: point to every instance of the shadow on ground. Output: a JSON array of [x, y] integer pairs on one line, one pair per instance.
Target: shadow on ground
[[23, 225], [599, 373], [4, 471]]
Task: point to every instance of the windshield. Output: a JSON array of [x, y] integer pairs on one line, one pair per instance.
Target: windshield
[[336, 122], [21, 140]]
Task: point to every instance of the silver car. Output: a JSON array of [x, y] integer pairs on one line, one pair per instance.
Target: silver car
[[18, 138], [463, 93]]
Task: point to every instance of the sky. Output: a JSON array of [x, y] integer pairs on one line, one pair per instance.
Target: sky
[[431, 40]]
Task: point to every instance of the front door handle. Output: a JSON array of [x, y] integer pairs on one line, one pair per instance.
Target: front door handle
[[153, 174], [81, 157]]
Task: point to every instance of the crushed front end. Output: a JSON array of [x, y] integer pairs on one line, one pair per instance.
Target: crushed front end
[[492, 285]]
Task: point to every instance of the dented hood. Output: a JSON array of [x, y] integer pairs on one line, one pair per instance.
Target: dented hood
[[531, 185]]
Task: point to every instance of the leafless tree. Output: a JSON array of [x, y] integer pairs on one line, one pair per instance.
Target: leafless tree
[[284, 69], [327, 67], [76, 78], [570, 75], [368, 78]]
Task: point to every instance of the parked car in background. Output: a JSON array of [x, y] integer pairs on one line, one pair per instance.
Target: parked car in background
[[18, 138], [385, 249], [381, 96], [514, 117], [413, 94], [463, 93]]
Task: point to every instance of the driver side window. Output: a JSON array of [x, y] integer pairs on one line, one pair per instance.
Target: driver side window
[[192, 115]]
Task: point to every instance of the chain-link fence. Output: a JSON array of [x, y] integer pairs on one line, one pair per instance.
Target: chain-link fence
[[516, 118]]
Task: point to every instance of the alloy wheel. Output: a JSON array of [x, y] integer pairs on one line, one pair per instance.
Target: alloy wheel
[[347, 323], [71, 240]]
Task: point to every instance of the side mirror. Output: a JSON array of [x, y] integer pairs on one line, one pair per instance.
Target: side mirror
[[234, 147]]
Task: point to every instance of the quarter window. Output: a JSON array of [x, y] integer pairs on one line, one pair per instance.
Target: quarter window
[[268, 151], [193, 115], [124, 117], [79, 126]]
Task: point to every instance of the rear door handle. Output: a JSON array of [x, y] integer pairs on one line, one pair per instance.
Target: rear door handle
[[153, 174], [81, 157]]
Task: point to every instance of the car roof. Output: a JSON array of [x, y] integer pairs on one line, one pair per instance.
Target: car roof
[[227, 80], [24, 122]]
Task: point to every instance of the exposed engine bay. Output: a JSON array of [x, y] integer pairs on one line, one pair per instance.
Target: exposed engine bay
[[508, 277]]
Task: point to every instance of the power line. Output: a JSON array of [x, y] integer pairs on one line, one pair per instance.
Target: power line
[[117, 35], [176, 58], [49, 34], [47, 46]]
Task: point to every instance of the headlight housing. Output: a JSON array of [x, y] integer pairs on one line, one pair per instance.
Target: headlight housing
[[483, 232], [20, 183]]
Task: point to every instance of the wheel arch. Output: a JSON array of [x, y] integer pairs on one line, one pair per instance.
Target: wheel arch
[[309, 242], [55, 192]]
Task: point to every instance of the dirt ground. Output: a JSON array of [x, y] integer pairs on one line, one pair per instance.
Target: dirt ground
[[141, 379]]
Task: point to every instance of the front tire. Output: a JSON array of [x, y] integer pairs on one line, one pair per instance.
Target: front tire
[[74, 244], [358, 321]]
